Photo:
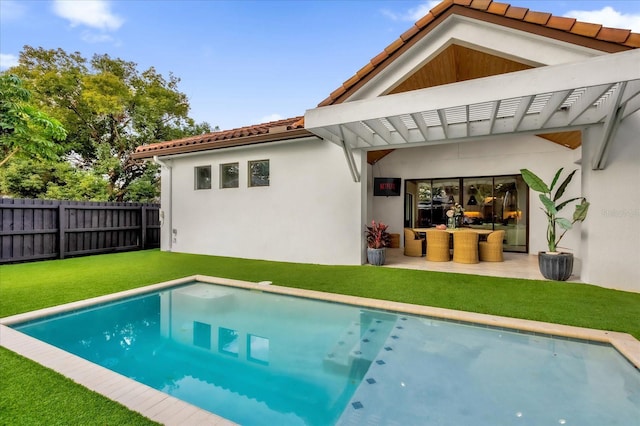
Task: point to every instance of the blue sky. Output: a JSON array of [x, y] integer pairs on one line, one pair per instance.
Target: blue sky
[[245, 62]]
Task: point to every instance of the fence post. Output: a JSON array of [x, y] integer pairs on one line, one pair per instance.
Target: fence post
[[61, 231], [143, 227]]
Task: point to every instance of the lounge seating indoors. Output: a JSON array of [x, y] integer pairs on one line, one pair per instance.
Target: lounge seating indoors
[[491, 250], [413, 245], [465, 247], [438, 246]]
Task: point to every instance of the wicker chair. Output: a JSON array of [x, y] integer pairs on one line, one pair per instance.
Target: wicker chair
[[412, 244], [465, 247], [491, 250], [438, 246]]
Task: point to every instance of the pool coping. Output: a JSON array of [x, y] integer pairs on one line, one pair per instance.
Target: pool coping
[[169, 410]]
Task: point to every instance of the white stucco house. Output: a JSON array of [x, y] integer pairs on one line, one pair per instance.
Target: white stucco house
[[454, 108]]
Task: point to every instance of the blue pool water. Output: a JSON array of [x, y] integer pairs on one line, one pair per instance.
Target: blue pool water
[[261, 358]]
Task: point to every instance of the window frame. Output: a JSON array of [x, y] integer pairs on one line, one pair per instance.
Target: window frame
[[250, 182], [222, 171], [197, 177]]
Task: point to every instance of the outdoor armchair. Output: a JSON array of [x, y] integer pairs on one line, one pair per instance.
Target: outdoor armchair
[[491, 250], [438, 246], [412, 244], [465, 247]]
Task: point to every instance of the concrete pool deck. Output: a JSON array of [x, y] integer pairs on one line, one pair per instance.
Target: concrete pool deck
[[168, 410]]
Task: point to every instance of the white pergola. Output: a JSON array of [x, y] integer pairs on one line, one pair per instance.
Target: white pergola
[[599, 91]]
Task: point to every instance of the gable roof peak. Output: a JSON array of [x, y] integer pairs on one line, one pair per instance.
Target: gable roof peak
[[612, 38]]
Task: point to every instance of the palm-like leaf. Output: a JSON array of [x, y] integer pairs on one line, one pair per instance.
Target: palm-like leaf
[[563, 186], [534, 181]]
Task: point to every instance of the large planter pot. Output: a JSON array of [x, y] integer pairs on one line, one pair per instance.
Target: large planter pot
[[555, 266], [376, 256]]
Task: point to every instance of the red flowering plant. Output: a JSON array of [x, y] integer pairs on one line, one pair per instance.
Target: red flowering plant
[[377, 235]]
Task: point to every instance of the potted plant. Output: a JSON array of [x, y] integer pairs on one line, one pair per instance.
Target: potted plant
[[555, 265], [378, 239]]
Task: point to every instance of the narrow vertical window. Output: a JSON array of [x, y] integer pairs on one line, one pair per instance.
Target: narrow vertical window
[[203, 177], [259, 173], [229, 174]]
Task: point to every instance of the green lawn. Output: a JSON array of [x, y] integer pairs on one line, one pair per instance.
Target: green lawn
[[30, 394]]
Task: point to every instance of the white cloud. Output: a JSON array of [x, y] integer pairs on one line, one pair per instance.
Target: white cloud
[[272, 117], [413, 14], [91, 37], [90, 13], [608, 17], [11, 10], [8, 60]]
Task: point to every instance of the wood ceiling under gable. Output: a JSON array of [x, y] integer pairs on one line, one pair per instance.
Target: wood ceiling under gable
[[459, 63]]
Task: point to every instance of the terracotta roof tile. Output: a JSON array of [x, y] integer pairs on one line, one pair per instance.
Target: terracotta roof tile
[[339, 91], [365, 70], [409, 33], [441, 7], [498, 8], [633, 40], [425, 20], [613, 34], [379, 58], [539, 18], [397, 44], [586, 29], [561, 23], [480, 4], [279, 127], [516, 12], [351, 82]]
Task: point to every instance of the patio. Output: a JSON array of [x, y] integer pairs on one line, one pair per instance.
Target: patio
[[515, 265]]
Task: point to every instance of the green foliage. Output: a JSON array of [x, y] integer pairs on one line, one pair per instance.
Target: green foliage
[[24, 178], [24, 129], [109, 108], [551, 209], [26, 398]]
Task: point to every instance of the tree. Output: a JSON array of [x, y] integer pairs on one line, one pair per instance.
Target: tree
[[25, 129], [53, 180], [109, 108]]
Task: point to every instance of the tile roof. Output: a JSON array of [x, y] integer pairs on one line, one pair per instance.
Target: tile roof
[[294, 127], [265, 132], [625, 39]]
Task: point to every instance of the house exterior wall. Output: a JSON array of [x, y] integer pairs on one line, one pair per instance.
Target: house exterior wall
[[310, 213], [611, 233]]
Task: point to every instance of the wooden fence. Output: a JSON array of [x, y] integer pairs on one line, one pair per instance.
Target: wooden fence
[[44, 229]]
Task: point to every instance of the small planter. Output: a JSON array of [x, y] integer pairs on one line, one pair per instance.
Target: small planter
[[556, 266], [376, 256]]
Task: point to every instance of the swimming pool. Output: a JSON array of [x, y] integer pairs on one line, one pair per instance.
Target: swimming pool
[[255, 356]]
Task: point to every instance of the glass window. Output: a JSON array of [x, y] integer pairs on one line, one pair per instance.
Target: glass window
[[203, 177], [228, 341], [259, 173], [229, 175], [477, 195], [510, 195], [258, 349]]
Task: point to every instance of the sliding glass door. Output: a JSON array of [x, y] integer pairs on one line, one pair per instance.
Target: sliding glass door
[[492, 202]]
